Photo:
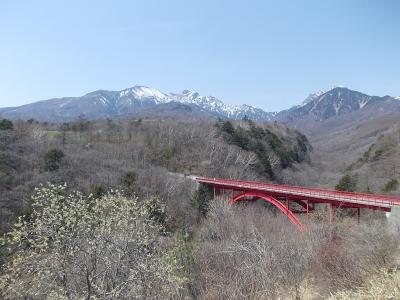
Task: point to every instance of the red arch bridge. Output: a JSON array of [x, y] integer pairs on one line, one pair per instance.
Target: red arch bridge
[[294, 200]]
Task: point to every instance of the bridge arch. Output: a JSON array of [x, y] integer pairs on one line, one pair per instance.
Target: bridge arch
[[292, 217]]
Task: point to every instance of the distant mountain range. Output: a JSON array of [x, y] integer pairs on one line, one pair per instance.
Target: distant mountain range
[[135, 101], [334, 105]]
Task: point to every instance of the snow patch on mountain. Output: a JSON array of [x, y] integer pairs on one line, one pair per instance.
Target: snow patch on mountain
[[335, 102], [317, 100], [311, 97], [363, 102], [208, 104], [144, 92]]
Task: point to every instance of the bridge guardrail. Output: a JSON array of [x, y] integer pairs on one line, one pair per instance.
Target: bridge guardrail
[[381, 200]]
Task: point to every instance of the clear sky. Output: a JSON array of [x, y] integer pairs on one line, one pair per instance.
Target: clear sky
[[270, 54]]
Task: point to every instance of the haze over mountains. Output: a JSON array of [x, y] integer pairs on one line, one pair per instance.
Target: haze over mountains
[[316, 111]]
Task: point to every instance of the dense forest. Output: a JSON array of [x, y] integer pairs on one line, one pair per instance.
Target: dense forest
[[108, 209]]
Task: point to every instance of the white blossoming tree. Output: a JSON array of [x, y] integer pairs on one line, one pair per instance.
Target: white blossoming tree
[[78, 247]]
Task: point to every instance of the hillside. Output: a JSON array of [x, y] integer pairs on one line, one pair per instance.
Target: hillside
[[368, 150], [193, 243], [107, 173], [97, 154]]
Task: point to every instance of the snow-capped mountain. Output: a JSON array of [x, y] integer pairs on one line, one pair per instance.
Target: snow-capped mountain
[[312, 97], [145, 101], [337, 104], [132, 101], [208, 104]]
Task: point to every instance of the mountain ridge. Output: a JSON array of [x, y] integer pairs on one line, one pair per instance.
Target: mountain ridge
[[104, 103], [324, 106], [337, 105]]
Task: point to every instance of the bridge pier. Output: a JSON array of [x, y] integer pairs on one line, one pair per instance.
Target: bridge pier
[[331, 209], [217, 192]]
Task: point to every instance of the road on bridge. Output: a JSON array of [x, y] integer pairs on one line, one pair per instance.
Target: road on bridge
[[283, 195]]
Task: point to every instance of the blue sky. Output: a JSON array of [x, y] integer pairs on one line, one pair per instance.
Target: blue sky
[[270, 54]]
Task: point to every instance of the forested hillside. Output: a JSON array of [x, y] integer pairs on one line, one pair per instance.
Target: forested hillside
[[140, 155], [109, 211]]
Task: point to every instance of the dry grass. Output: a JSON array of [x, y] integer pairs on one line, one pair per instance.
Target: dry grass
[[251, 253], [381, 286]]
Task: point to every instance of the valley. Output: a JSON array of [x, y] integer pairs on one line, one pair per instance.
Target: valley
[[200, 150], [145, 159]]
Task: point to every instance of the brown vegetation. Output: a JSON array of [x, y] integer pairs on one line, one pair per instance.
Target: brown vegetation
[[95, 156], [209, 250], [249, 253]]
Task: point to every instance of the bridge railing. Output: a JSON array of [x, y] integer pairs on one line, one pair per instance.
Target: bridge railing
[[381, 200]]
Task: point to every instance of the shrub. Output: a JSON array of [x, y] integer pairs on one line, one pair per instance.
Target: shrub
[[302, 141], [367, 154], [76, 247], [6, 124], [240, 139], [248, 253], [167, 153], [391, 185], [256, 132], [155, 210], [227, 127], [383, 150], [99, 191], [52, 159], [201, 199], [128, 182], [264, 164], [346, 183]]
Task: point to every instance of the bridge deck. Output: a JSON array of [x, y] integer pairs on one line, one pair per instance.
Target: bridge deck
[[315, 194]]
